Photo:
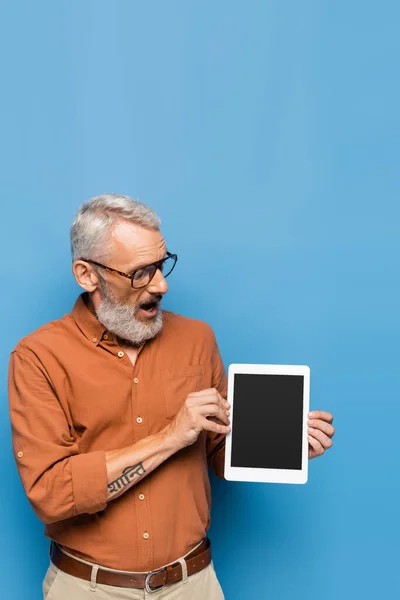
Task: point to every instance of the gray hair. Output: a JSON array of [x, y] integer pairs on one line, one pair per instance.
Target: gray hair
[[90, 231]]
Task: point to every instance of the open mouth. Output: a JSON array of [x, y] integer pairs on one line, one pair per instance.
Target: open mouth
[[150, 309]]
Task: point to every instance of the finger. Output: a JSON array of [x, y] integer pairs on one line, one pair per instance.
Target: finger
[[320, 414], [211, 410], [214, 427], [223, 400], [209, 396], [322, 426], [204, 392], [316, 446], [323, 439], [201, 398]]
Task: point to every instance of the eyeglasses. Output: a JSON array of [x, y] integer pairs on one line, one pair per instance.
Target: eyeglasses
[[142, 276]]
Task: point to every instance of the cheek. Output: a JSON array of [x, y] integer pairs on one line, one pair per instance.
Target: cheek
[[132, 298], [127, 296]]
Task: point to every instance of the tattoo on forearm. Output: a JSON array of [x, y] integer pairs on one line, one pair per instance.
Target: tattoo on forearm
[[128, 474]]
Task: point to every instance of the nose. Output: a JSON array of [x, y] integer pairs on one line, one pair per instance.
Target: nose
[[158, 284]]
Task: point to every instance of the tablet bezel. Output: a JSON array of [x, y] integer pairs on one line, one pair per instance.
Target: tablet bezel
[[269, 475]]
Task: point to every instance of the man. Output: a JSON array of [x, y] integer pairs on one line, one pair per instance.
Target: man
[[117, 409]]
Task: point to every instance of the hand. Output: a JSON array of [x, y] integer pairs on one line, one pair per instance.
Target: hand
[[320, 433], [202, 411]]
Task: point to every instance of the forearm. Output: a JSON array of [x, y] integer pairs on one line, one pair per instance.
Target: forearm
[[128, 466]]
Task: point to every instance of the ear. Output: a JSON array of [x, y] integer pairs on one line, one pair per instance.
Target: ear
[[85, 275]]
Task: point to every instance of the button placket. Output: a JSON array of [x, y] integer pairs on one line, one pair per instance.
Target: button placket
[[144, 522], [141, 430]]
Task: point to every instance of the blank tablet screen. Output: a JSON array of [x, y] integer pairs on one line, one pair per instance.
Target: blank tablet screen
[[267, 421]]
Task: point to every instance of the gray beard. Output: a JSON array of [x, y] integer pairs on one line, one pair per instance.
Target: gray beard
[[120, 319]]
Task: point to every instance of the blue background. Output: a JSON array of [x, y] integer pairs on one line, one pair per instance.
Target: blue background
[[266, 135]]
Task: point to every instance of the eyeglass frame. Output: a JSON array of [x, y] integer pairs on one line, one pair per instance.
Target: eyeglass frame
[[157, 264]]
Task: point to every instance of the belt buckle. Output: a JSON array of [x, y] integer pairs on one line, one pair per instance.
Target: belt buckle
[[147, 587]]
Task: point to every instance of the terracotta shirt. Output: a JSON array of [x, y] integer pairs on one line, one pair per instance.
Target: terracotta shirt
[[74, 395]]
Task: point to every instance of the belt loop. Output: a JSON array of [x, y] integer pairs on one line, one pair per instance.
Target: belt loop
[[185, 577], [93, 578]]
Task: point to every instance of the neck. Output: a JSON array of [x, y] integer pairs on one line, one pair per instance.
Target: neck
[[126, 343]]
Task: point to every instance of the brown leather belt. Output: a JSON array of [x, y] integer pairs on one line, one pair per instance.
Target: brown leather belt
[[151, 581]]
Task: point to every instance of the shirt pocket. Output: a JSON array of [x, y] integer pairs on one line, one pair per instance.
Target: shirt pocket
[[178, 383]]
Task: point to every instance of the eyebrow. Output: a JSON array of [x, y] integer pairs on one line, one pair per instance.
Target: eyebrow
[[143, 265]]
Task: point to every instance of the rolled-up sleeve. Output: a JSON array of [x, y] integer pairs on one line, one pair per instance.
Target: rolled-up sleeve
[[59, 481], [216, 442]]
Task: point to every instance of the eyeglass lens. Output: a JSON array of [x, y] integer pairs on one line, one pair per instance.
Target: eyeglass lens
[[143, 276]]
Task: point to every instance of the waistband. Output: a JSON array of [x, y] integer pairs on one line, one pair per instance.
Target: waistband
[[197, 559]]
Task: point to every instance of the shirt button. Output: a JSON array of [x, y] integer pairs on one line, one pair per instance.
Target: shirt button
[[120, 354], [94, 340], [139, 420], [105, 336], [136, 380], [20, 454], [146, 535], [141, 496]]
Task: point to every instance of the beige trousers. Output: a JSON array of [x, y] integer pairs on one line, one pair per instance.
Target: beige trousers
[[58, 585]]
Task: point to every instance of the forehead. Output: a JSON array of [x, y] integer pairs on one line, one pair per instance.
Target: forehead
[[134, 245]]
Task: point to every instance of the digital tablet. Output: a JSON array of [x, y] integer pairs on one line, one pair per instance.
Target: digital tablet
[[269, 412]]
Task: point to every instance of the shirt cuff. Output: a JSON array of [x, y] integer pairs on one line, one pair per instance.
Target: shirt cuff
[[89, 482]]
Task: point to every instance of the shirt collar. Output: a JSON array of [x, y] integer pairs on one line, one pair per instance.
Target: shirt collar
[[86, 319]]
